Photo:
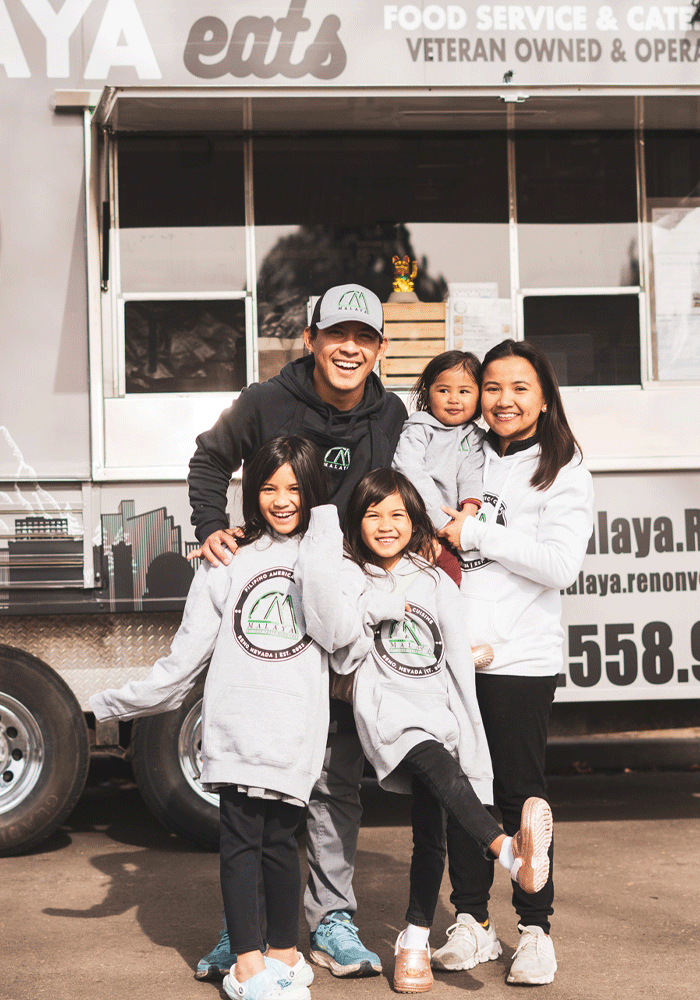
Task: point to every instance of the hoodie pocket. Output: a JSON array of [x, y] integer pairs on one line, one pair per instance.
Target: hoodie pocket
[[256, 724], [410, 708]]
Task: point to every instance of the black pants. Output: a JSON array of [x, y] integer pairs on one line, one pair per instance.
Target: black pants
[[440, 786], [515, 712], [257, 835]]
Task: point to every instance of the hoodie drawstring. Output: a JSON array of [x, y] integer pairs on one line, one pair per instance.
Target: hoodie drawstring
[[504, 488]]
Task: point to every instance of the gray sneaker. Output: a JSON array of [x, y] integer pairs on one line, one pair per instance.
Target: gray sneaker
[[468, 943], [533, 962]]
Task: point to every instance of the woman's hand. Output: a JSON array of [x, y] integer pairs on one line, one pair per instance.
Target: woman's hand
[[452, 531], [217, 546]]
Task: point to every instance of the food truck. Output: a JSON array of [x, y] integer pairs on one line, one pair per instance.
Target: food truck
[[178, 181]]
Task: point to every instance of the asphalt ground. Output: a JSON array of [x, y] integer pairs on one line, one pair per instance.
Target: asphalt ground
[[114, 906]]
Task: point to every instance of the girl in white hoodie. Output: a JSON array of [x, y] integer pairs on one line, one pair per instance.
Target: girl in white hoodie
[[526, 545], [402, 620], [265, 711]]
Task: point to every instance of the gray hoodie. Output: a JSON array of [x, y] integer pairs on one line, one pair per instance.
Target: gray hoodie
[[265, 714], [414, 676], [443, 463]]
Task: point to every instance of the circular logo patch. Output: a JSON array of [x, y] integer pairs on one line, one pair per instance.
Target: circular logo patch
[[473, 560], [268, 621], [413, 647]]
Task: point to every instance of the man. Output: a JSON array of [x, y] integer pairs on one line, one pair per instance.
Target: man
[[333, 398]]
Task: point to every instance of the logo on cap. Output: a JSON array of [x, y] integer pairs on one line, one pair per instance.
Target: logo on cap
[[353, 299]]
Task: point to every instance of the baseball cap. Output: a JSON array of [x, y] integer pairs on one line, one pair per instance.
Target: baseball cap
[[349, 302]]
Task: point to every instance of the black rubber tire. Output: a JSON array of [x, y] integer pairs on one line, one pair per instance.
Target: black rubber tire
[[47, 703], [161, 779]]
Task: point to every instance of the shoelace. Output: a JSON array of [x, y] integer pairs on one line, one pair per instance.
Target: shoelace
[[528, 942], [345, 931], [456, 928]]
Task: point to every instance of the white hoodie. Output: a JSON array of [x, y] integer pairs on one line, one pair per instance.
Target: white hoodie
[[265, 713], [522, 549]]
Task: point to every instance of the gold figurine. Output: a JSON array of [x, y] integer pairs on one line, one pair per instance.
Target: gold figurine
[[403, 281]]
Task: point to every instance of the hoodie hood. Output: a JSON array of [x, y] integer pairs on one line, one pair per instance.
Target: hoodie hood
[[352, 442], [297, 378]]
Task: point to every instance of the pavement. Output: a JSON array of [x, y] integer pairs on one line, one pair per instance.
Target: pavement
[[114, 906]]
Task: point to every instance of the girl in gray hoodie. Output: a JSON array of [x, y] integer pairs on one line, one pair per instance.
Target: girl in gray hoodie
[[265, 710], [441, 447], [402, 620]]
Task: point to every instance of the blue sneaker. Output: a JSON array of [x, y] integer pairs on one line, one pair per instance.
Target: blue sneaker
[[218, 962], [336, 945]]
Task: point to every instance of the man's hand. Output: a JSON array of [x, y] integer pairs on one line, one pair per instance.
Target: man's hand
[[451, 532], [219, 546]]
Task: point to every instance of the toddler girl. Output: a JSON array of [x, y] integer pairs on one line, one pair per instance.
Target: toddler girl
[[440, 448], [265, 712], [398, 625]]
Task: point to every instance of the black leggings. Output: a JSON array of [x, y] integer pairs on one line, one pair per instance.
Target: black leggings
[[515, 712], [440, 786], [257, 835]]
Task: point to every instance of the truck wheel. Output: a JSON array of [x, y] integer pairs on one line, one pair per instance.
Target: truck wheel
[[167, 764], [44, 751]]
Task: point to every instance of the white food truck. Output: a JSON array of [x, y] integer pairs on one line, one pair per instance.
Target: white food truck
[[178, 180]]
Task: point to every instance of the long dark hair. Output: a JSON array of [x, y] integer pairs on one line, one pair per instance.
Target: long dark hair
[[305, 461], [444, 363], [557, 442], [373, 488]]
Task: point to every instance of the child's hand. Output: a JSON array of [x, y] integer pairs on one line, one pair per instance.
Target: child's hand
[[214, 548], [451, 532], [470, 509]]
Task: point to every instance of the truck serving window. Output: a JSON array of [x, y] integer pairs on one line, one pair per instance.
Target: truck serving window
[[578, 247], [673, 210], [181, 251], [334, 207]]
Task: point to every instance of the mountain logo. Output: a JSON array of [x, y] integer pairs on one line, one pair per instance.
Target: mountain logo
[[355, 300], [413, 647], [268, 620], [273, 614], [473, 559], [464, 444], [337, 458], [405, 637]]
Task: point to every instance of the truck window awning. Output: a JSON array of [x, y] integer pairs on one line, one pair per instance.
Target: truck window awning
[[137, 109]]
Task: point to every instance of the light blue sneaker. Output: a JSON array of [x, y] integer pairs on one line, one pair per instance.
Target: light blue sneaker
[[219, 961], [300, 974], [336, 945], [264, 986]]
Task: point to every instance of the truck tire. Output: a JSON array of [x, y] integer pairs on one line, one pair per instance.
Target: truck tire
[[44, 751], [167, 765]]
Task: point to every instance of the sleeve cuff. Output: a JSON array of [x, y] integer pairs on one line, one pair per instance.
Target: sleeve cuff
[[203, 531], [468, 534]]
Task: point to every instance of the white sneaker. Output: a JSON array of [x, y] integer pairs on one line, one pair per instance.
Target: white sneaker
[[468, 943], [533, 962]]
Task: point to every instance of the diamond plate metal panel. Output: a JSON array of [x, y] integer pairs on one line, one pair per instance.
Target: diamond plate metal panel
[[93, 652]]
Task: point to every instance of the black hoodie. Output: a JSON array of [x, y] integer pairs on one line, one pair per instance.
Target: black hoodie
[[353, 442]]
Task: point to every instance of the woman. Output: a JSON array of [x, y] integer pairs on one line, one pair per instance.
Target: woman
[[526, 544]]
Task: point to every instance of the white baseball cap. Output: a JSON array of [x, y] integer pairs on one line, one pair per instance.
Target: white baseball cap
[[349, 302]]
